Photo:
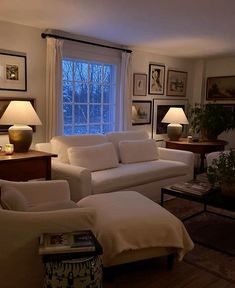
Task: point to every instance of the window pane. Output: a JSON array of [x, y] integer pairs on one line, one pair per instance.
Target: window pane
[[95, 93], [108, 95], [67, 67], [107, 113], [81, 129], [68, 130], [68, 113], [107, 74], [108, 127], [95, 114], [80, 71], [80, 93], [96, 73], [95, 129], [67, 91], [80, 114]]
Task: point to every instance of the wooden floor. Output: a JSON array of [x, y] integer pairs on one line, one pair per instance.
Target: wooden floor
[[154, 274]]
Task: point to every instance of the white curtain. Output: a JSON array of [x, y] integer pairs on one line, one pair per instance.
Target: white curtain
[[54, 100], [125, 92]]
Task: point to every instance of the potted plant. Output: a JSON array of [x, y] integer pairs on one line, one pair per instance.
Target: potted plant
[[210, 120], [222, 172]]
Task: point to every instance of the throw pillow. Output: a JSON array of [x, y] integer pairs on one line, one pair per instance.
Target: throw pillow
[[53, 205], [95, 157], [138, 151], [12, 198]]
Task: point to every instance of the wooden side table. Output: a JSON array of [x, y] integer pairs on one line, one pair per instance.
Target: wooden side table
[[201, 148], [25, 166]]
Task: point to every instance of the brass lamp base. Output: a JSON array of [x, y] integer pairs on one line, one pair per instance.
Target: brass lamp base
[[21, 136]]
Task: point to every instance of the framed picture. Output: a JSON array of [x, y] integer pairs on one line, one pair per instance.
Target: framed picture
[[13, 74], [141, 112], [176, 83], [156, 79], [139, 84], [160, 108], [220, 88], [4, 102]]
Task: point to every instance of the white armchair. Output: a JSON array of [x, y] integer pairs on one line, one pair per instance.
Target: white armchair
[[20, 263]]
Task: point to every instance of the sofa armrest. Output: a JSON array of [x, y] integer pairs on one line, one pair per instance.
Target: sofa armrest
[[37, 192], [20, 232], [79, 178], [45, 147], [186, 157]]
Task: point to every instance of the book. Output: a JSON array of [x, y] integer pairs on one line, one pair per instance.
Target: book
[[192, 187], [70, 242]]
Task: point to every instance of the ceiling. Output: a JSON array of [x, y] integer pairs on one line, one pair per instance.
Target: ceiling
[[182, 28]]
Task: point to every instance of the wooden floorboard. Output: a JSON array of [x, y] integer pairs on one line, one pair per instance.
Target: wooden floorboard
[[155, 275]]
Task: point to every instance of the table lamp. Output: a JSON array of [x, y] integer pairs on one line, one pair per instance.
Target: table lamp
[[175, 116], [20, 114]]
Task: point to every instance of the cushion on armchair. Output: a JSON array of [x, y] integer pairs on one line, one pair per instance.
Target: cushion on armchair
[[95, 157], [133, 151]]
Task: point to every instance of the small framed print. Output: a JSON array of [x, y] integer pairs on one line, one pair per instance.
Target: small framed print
[[13, 74], [139, 84], [176, 83], [156, 79], [141, 112]]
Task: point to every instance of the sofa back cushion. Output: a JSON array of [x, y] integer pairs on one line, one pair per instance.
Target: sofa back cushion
[[95, 157], [12, 198], [60, 144], [116, 137], [138, 151]]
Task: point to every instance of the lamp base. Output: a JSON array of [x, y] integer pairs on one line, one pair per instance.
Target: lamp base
[[21, 137], [174, 131]]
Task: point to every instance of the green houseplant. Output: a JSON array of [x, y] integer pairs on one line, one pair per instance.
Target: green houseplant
[[210, 120], [222, 172]]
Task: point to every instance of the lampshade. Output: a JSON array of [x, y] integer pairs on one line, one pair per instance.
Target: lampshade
[[20, 114], [175, 116]]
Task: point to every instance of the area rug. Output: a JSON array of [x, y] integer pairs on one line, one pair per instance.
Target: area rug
[[214, 231], [211, 232]]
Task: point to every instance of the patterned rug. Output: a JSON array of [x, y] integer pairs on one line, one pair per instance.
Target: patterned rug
[[208, 229]]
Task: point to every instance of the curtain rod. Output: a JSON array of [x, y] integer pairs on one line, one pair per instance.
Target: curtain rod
[[44, 35]]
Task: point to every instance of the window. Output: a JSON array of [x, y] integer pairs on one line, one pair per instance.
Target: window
[[89, 96]]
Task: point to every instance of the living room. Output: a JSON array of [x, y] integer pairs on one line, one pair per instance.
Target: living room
[[193, 53]]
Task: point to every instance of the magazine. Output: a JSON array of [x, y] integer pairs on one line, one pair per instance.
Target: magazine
[[78, 241], [193, 187]]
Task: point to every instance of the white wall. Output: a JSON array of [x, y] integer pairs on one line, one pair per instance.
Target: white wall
[[27, 40], [140, 64]]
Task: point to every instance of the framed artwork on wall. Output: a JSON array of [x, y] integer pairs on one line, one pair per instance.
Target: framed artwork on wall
[[156, 79], [176, 83], [160, 108], [139, 84], [141, 112], [13, 72], [4, 102], [220, 88]]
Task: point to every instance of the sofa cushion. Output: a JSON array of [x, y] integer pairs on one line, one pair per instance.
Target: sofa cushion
[[12, 198], [134, 174], [132, 151], [53, 205], [94, 158], [60, 144], [116, 137]]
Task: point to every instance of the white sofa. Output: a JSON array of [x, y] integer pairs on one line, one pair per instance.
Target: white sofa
[[147, 177], [126, 232]]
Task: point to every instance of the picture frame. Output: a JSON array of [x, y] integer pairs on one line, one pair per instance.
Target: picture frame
[[141, 112], [13, 72], [160, 108], [220, 88], [139, 84], [4, 102], [176, 83], [156, 84]]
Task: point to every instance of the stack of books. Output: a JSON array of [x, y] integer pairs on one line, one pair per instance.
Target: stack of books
[[193, 187]]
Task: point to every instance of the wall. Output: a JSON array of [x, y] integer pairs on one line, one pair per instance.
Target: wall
[[27, 40], [140, 64], [221, 67]]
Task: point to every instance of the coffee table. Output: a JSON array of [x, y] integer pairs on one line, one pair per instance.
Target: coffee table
[[214, 198]]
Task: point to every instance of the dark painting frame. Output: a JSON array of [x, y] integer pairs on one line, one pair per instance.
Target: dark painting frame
[[220, 88]]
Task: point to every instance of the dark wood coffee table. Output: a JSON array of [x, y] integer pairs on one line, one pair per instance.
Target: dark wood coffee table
[[214, 198]]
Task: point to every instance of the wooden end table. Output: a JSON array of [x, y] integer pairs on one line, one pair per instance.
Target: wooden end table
[[26, 165], [201, 148]]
